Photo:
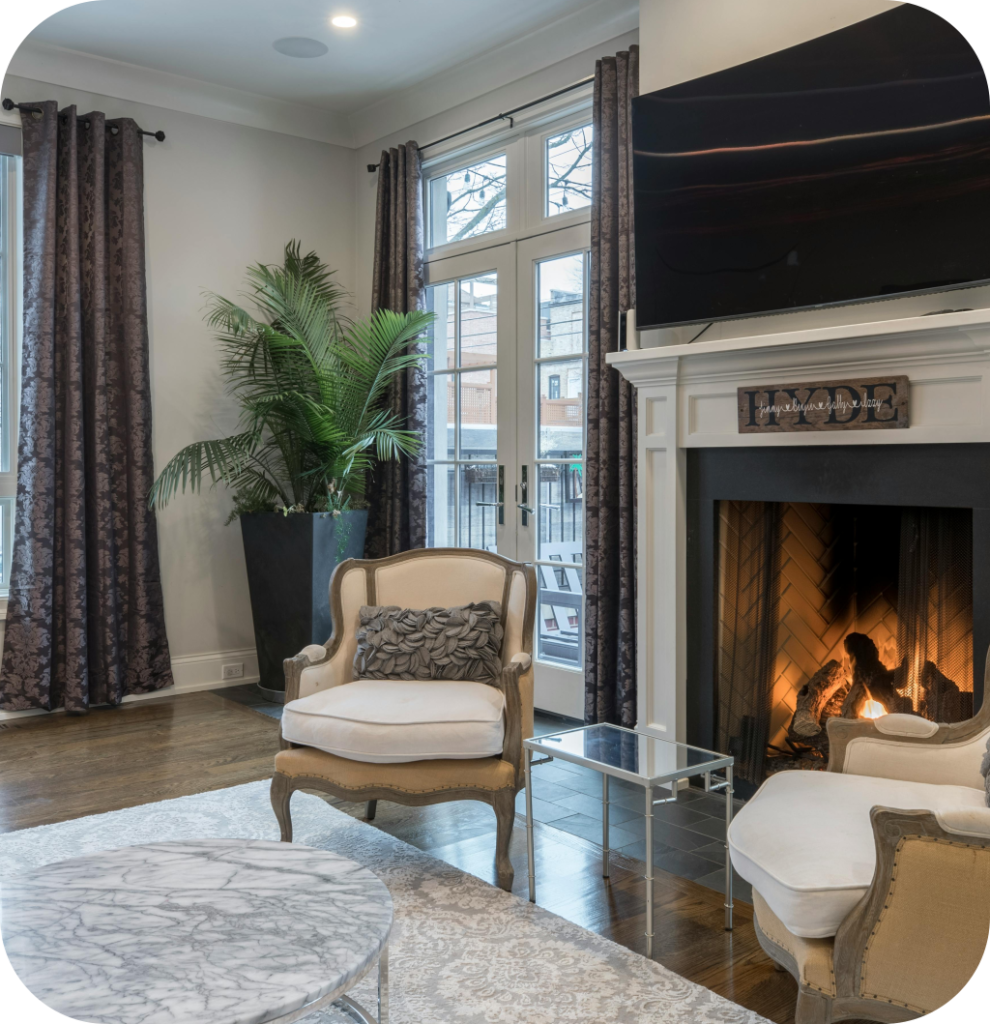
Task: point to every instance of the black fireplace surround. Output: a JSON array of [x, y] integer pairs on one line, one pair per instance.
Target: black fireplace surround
[[920, 475]]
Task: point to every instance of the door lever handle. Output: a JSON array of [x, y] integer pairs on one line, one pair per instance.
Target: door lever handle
[[490, 504], [527, 509]]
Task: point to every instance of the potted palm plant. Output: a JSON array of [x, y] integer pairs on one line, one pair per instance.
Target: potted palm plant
[[311, 386]]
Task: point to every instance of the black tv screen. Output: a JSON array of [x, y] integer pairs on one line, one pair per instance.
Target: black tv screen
[[852, 167]]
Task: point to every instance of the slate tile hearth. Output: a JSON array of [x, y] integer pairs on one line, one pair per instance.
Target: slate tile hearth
[[687, 836]]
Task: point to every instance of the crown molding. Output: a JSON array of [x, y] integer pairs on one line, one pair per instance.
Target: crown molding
[[504, 65], [582, 30], [85, 72]]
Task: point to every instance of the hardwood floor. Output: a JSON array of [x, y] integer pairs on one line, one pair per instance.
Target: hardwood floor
[[61, 767]]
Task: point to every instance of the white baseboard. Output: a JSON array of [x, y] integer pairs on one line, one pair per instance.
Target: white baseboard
[[192, 673]]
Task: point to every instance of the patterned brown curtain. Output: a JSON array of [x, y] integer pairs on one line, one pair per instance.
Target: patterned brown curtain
[[397, 490], [85, 619], [610, 488]]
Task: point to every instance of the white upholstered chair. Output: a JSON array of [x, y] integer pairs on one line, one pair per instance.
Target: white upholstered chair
[[871, 881], [411, 741]]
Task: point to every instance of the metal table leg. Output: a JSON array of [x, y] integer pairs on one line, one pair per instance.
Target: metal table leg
[[529, 827], [728, 859], [649, 871], [383, 986], [605, 870]]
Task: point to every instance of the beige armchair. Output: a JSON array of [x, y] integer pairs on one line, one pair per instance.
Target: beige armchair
[[871, 882], [412, 742]]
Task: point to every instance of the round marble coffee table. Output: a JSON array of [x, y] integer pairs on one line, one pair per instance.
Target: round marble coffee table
[[204, 932]]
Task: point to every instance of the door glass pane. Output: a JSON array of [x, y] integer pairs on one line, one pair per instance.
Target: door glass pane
[[560, 623], [477, 521], [479, 320], [562, 517], [441, 423], [479, 414], [441, 299], [468, 202], [441, 522], [561, 327], [568, 170], [561, 409]]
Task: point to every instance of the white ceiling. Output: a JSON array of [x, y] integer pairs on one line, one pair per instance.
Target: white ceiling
[[397, 44]]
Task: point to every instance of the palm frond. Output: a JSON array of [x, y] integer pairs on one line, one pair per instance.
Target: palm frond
[[224, 460], [311, 388]]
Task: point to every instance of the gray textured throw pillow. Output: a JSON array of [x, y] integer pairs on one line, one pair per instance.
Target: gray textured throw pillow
[[985, 769], [431, 643]]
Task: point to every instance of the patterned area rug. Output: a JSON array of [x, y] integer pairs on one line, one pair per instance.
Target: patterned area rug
[[462, 951]]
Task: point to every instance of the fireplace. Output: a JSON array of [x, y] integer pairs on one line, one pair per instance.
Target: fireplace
[[693, 461], [831, 581], [826, 610]]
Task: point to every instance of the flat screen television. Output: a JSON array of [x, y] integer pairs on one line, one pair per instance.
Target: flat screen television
[[850, 168]]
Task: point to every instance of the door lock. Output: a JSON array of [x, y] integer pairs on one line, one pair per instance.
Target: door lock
[[524, 505]]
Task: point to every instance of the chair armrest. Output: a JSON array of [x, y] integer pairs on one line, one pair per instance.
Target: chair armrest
[[508, 683], [971, 821], [917, 935], [310, 671], [876, 740]]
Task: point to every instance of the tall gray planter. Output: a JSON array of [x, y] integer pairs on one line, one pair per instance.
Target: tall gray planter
[[290, 559]]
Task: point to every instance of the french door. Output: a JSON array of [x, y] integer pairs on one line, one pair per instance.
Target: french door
[[505, 436]]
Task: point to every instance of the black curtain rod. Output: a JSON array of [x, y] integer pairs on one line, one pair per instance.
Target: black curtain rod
[[507, 116], [9, 104]]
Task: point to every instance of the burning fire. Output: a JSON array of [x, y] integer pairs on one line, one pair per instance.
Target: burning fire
[[873, 709]]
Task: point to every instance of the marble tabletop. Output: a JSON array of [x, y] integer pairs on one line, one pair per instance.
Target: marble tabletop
[[204, 932]]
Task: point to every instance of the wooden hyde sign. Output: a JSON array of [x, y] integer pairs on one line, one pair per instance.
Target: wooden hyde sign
[[872, 403]]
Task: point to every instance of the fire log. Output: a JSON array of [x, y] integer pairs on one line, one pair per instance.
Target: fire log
[[813, 698], [942, 699]]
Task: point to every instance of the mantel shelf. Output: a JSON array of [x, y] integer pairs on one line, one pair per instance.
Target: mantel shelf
[[639, 363]]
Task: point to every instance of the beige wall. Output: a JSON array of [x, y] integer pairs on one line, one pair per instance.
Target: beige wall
[[218, 196]]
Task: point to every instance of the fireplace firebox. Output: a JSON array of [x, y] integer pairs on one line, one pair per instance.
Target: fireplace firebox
[[832, 581]]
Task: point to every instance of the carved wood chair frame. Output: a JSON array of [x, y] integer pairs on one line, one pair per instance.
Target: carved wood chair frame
[[502, 800], [892, 828]]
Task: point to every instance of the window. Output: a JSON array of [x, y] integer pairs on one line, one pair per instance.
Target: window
[[468, 202], [568, 171], [10, 270], [462, 425]]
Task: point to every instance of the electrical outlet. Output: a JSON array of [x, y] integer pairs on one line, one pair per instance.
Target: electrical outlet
[[235, 670]]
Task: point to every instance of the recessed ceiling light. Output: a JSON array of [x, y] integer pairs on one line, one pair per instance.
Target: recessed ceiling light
[[343, 21], [300, 46]]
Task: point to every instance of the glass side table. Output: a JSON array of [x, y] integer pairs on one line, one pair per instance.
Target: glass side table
[[645, 760]]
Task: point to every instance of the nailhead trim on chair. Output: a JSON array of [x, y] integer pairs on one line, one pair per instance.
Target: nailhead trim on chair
[[396, 789], [886, 907]]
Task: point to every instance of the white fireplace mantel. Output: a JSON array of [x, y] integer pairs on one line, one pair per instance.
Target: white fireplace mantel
[[687, 398]]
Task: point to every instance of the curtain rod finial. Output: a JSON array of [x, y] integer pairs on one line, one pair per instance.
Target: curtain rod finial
[[372, 168], [8, 103]]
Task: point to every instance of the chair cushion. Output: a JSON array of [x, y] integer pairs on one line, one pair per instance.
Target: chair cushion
[[806, 843], [389, 720]]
